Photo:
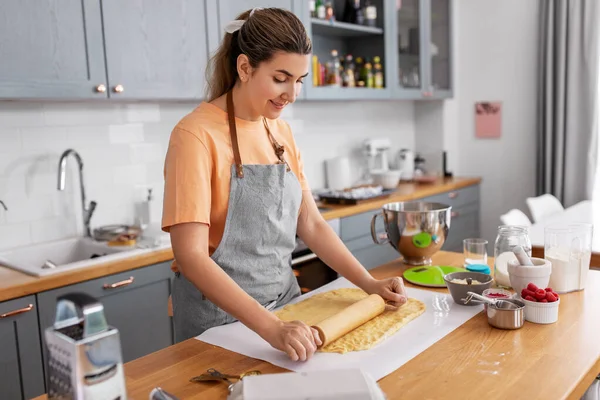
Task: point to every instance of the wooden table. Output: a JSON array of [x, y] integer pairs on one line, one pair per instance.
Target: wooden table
[[583, 212], [552, 361]]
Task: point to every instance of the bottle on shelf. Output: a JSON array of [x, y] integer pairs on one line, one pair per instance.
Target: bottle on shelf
[[369, 75], [353, 12], [348, 76], [312, 8], [357, 72], [329, 13], [370, 13], [320, 8], [333, 70], [378, 75], [316, 71]]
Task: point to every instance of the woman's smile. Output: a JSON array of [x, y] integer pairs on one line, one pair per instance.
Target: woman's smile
[[278, 105]]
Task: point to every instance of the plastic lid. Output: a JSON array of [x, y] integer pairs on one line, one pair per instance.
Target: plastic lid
[[478, 268]]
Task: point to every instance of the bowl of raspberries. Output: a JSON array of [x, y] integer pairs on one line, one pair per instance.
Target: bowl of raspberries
[[541, 304]]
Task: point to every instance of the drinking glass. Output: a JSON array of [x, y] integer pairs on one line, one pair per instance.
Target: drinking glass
[[475, 251]]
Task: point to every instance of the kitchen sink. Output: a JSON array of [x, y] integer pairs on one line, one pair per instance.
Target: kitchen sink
[[64, 255]]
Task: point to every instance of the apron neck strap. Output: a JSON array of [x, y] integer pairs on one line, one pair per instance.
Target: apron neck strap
[[233, 133], [279, 149]]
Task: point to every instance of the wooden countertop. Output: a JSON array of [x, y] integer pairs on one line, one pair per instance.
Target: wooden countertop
[[14, 284], [553, 361], [405, 192]]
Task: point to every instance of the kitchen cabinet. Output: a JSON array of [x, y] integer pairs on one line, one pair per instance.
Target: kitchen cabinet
[[21, 368], [422, 49], [51, 49], [135, 302], [155, 49], [228, 10], [103, 49]]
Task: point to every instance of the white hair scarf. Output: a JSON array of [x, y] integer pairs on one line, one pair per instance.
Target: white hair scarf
[[236, 25]]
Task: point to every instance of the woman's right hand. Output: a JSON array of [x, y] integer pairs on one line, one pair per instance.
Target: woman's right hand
[[295, 338]]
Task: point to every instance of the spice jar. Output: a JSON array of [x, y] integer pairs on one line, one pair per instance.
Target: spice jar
[[508, 237]]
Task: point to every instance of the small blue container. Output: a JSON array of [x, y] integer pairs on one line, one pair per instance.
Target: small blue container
[[484, 269]]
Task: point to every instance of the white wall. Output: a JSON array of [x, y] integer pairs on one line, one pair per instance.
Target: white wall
[[123, 148], [495, 60]]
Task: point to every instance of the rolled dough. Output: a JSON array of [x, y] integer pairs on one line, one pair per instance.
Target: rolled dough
[[315, 309]]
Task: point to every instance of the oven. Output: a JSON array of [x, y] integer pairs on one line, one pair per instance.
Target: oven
[[309, 270]]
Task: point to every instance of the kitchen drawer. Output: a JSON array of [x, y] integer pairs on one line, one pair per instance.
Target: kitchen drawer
[[456, 198], [359, 225], [464, 224], [370, 254], [136, 306], [375, 255]]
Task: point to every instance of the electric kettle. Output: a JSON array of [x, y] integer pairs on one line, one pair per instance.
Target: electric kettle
[[406, 163]]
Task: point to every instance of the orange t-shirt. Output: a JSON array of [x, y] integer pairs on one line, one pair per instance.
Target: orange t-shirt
[[198, 165]]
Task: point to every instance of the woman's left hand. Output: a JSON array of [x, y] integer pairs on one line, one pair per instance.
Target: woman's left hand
[[391, 289]]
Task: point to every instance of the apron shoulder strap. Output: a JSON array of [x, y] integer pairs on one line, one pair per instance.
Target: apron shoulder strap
[[233, 133], [279, 149]]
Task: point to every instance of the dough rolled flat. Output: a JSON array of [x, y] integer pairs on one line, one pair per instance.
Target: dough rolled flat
[[353, 316]]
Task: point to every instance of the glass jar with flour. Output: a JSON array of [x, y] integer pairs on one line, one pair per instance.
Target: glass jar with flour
[[569, 249], [508, 237]]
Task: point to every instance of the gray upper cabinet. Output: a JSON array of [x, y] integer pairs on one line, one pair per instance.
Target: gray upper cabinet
[[440, 54], [422, 49], [21, 368], [155, 49], [135, 302], [51, 49], [228, 10]]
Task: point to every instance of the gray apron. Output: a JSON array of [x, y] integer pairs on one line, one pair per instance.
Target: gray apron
[[257, 244]]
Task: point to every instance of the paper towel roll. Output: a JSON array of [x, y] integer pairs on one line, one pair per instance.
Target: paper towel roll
[[338, 173]]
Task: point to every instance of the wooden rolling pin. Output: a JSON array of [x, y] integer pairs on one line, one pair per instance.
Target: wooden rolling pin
[[350, 318]]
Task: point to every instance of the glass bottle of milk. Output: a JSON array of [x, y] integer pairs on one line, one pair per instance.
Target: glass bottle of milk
[[508, 237]]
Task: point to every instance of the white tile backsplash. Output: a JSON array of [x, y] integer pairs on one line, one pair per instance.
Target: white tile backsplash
[[123, 148], [10, 142], [128, 133]]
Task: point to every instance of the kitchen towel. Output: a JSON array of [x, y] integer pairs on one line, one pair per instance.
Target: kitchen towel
[[440, 318]]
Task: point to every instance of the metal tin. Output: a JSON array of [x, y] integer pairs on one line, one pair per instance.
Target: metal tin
[[499, 316]]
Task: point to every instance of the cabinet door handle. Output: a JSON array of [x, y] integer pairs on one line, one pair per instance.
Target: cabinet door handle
[[101, 88], [17, 312], [122, 283], [119, 88], [453, 195], [455, 214]]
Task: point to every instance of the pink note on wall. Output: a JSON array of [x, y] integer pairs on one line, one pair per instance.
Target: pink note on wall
[[488, 119]]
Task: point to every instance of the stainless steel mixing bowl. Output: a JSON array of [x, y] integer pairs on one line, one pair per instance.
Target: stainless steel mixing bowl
[[417, 230]]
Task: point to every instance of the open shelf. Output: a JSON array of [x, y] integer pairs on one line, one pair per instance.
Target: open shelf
[[342, 29]]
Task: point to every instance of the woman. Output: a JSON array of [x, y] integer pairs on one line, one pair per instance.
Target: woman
[[236, 195]]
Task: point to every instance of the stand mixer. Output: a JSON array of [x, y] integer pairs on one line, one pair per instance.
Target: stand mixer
[[375, 151]]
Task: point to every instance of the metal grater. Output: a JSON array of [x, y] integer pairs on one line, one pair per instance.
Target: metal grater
[[84, 353]]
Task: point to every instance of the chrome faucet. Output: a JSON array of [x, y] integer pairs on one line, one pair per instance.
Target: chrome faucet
[[88, 209]]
